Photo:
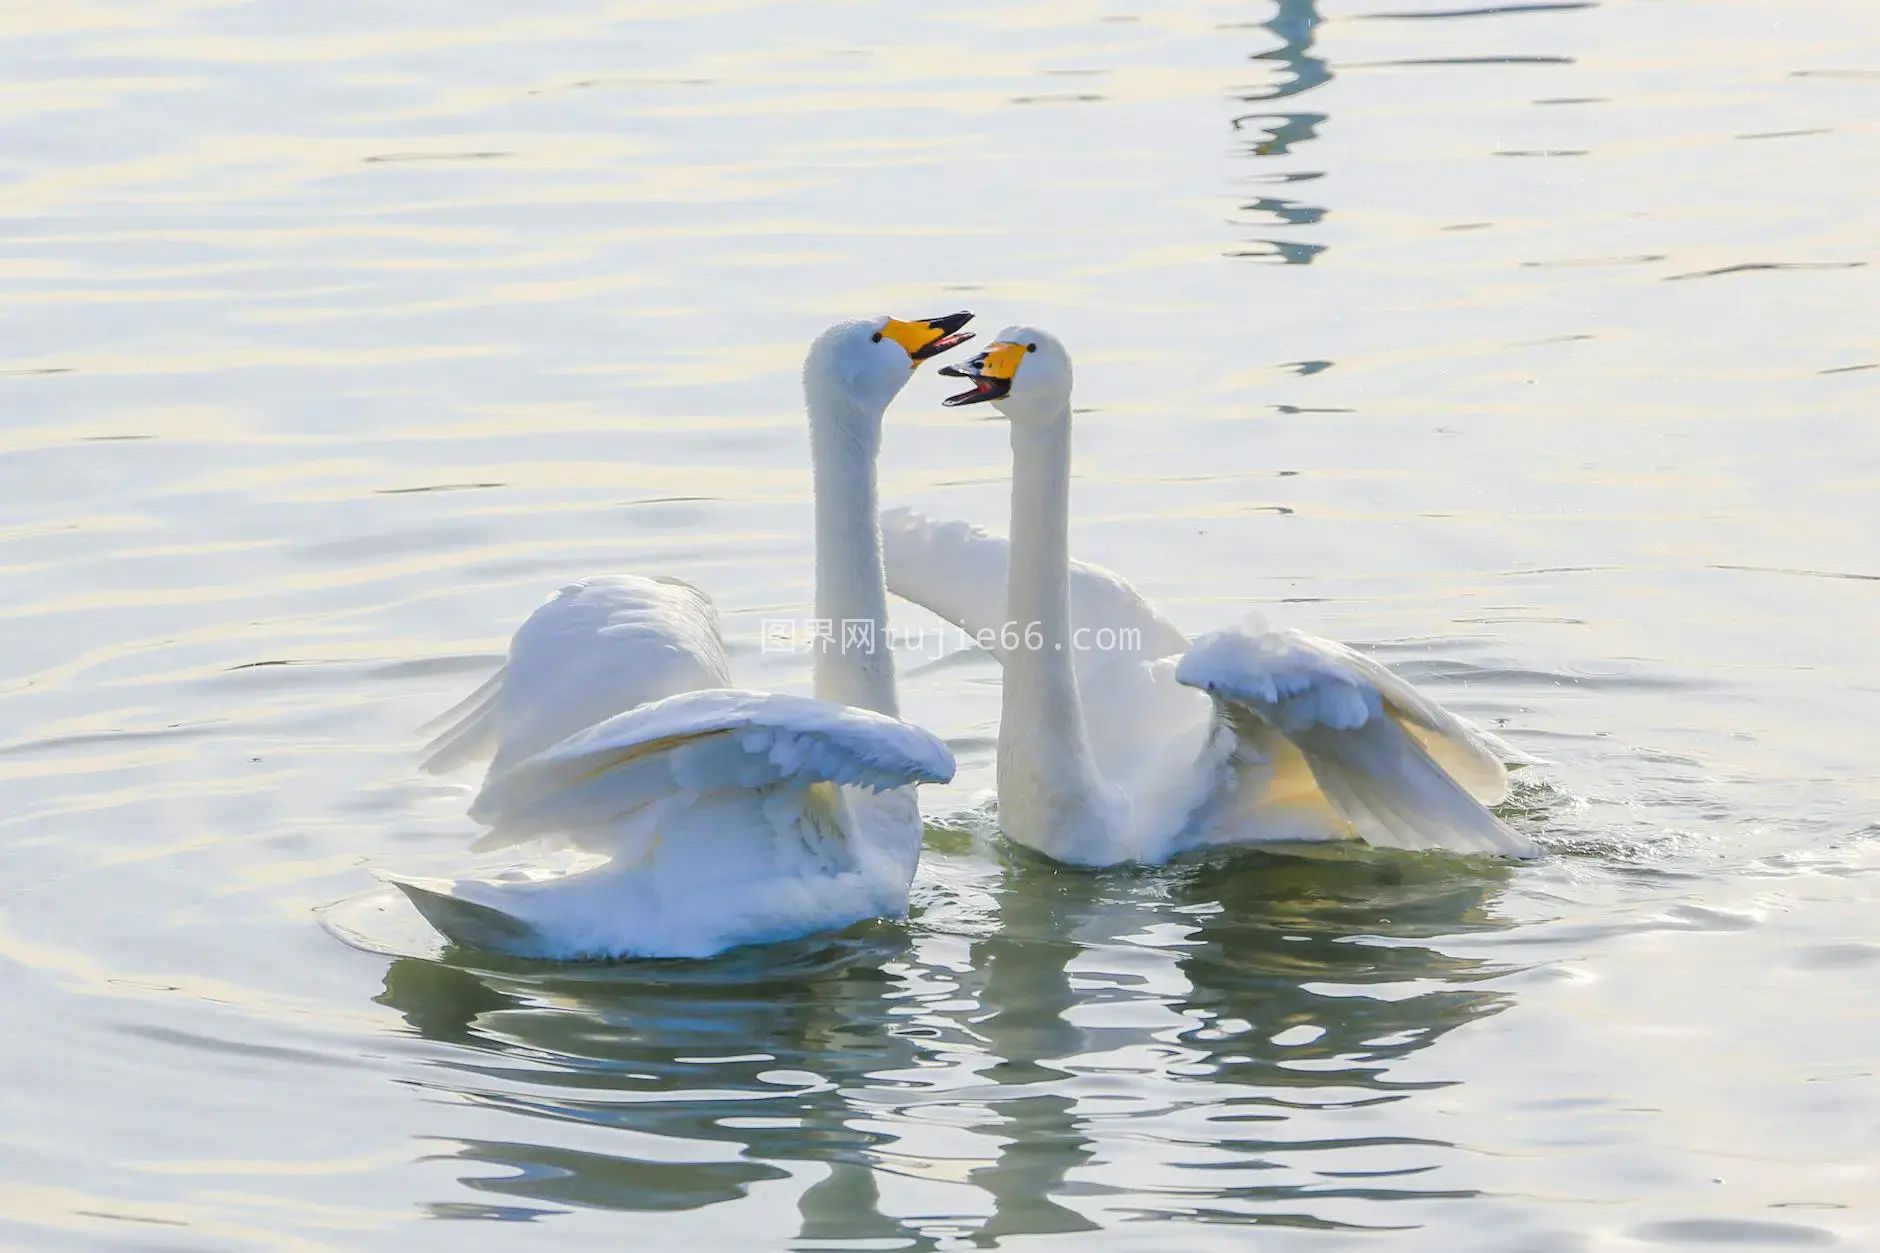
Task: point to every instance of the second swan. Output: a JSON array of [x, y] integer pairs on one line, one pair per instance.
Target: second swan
[[1146, 745]]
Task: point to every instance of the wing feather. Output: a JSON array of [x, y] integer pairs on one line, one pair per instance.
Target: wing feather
[[597, 647], [958, 571], [1466, 753], [700, 742], [1368, 757], [467, 731]]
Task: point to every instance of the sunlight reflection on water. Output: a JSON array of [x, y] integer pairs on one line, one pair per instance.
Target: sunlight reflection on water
[[1527, 343]]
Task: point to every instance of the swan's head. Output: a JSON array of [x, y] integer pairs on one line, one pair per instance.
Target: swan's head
[[1025, 373], [870, 360]]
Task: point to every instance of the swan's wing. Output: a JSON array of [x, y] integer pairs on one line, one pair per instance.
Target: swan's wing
[[1133, 711], [958, 571], [699, 743], [1469, 755], [465, 732], [1369, 760], [597, 647]]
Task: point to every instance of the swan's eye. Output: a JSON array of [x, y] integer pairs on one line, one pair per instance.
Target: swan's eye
[[875, 338], [1031, 348]]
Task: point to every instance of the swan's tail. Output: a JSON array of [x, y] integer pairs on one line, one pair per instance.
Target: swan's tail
[[467, 731], [464, 922], [1386, 786]]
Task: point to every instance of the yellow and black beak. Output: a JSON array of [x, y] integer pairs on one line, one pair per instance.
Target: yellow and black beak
[[927, 337], [991, 371]]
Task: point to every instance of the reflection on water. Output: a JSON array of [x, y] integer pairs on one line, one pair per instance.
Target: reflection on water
[[343, 332], [742, 1051], [1237, 1008], [1269, 133]]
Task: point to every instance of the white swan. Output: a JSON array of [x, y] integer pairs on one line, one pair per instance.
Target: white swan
[[1109, 751], [718, 817]]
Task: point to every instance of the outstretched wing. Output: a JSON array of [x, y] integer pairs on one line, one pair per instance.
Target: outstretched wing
[[958, 571], [595, 648], [699, 743], [1469, 755], [1366, 734]]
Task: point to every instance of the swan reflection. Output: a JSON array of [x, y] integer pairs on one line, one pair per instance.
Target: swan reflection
[[1244, 1010]]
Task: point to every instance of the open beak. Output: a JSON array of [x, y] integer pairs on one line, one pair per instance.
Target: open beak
[[928, 337], [991, 373]]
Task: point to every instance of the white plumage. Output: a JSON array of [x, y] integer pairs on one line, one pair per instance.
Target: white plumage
[[718, 817], [698, 742], [596, 647], [1121, 741], [700, 816]]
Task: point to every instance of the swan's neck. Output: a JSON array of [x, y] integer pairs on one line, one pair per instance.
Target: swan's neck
[[1050, 794], [853, 663], [1037, 587]]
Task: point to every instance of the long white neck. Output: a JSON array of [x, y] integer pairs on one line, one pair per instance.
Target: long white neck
[[1050, 794], [853, 665]]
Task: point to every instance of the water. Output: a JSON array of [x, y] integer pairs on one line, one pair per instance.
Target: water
[[1529, 343]]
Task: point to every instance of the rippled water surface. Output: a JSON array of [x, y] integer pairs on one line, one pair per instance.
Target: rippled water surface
[[1532, 344]]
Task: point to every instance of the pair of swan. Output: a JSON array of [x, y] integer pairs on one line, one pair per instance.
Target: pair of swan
[[709, 817]]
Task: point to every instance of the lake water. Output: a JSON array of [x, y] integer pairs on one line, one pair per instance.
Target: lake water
[[1532, 344]]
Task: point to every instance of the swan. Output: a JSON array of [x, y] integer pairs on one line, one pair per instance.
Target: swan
[[1119, 740], [703, 816]]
